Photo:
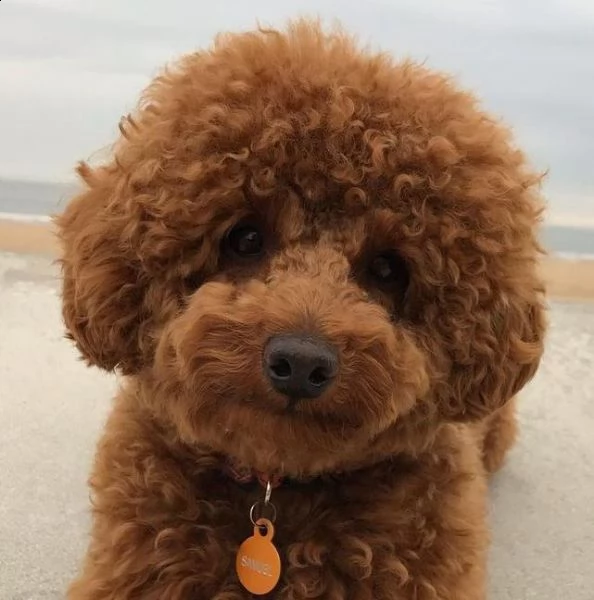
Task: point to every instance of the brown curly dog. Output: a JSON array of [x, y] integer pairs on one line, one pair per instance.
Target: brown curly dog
[[315, 267]]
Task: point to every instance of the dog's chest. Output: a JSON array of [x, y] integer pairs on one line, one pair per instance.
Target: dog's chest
[[328, 544]]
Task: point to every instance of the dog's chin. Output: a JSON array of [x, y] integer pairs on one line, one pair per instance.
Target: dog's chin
[[294, 438], [287, 457]]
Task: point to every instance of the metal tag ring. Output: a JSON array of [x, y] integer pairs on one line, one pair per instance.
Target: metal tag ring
[[264, 505]]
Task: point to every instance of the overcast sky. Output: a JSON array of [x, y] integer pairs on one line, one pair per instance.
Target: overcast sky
[[70, 68]]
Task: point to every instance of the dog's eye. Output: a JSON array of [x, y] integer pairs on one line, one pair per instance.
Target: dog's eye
[[245, 240], [388, 268]]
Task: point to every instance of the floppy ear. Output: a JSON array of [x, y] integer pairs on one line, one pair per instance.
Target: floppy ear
[[507, 349], [103, 287]]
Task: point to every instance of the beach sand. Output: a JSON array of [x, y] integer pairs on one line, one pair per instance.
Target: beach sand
[[29, 238], [565, 279], [52, 409]]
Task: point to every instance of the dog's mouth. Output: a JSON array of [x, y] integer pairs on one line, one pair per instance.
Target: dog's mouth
[[291, 407], [290, 436], [300, 408], [324, 415]]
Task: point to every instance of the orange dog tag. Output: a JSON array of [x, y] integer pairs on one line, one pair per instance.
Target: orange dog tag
[[258, 563]]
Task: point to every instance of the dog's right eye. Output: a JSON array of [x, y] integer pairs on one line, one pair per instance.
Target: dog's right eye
[[245, 240], [389, 269]]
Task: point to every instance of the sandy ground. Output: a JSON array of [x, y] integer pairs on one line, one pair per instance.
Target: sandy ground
[[22, 237], [568, 280], [52, 409]]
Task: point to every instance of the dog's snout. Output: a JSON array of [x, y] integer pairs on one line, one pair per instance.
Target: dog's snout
[[300, 366]]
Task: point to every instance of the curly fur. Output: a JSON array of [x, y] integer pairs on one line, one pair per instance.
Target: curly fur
[[338, 154]]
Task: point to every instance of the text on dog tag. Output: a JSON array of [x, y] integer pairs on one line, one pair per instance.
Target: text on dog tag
[[258, 564]]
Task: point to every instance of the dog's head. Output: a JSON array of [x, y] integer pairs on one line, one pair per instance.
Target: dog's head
[[307, 253]]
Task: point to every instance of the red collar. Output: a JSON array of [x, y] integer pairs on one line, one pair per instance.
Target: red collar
[[244, 476]]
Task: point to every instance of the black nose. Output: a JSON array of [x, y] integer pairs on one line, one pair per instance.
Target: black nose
[[300, 366]]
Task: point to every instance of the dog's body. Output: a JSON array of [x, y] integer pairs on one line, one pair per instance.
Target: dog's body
[[320, 267]]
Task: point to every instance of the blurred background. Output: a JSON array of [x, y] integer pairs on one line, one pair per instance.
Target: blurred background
[[69, 69]]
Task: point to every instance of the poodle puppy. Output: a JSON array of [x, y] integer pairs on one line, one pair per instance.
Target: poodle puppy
[[315, 269]]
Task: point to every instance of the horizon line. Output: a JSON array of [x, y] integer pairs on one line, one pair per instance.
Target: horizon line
[[563, 220], [40, 218]]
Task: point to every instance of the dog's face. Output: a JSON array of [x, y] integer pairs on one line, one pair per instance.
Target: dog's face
[[308, 255]]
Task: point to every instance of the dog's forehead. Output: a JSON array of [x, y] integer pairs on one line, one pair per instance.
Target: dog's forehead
[[343, 220]]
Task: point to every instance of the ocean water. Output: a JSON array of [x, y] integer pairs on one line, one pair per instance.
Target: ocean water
[[33, 199], [36, 201]]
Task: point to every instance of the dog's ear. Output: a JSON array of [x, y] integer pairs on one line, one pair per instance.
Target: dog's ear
[[504, 355], [103, 289]]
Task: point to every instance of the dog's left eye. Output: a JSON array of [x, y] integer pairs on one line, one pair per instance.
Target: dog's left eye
[[245, 240], [389, 268]]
